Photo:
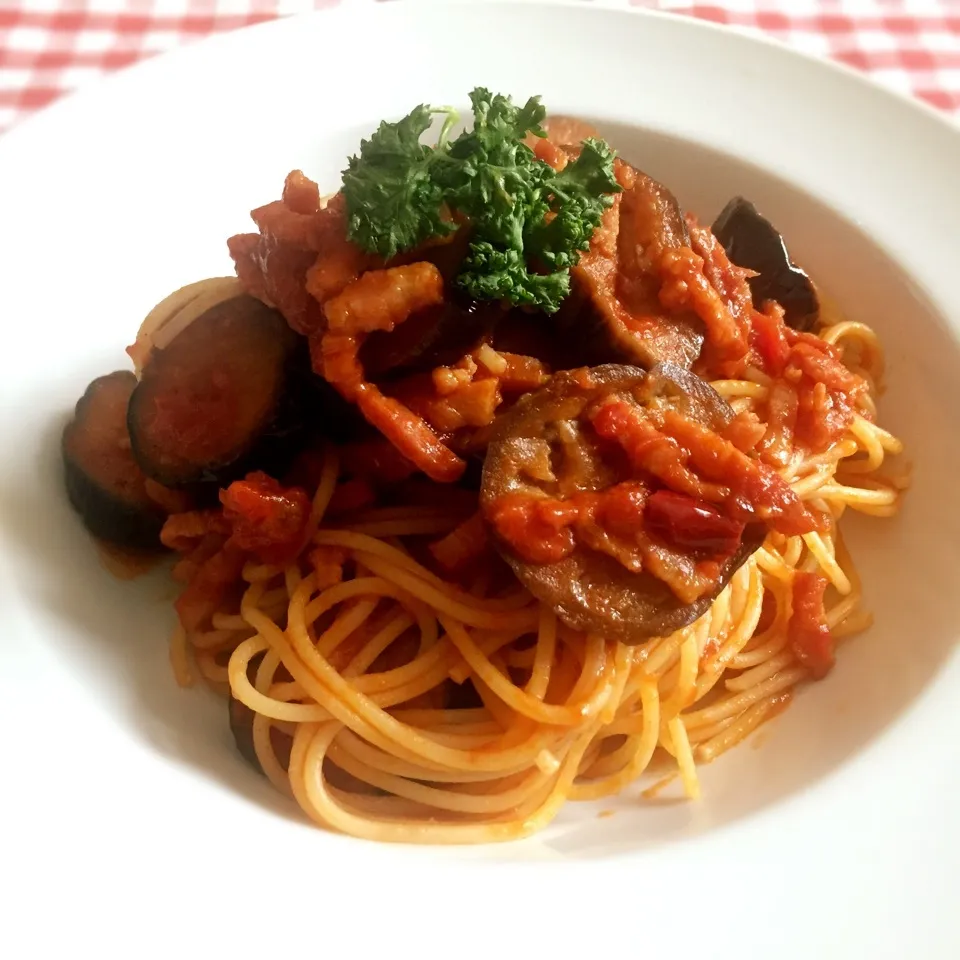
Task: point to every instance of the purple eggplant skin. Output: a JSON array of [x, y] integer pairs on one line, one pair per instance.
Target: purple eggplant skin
[[752, 241], [103, 482]]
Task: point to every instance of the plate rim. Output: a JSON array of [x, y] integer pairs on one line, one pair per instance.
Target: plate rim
[[621, 865]]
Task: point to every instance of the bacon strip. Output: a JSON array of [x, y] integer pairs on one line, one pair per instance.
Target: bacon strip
[[379, 300]]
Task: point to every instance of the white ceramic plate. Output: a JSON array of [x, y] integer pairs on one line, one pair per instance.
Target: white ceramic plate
[[129, 822]]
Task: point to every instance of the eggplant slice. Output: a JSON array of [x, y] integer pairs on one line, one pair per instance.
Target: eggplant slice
[[752, 241], [104, 482], [221, 398], [589, 590], [614, 310]]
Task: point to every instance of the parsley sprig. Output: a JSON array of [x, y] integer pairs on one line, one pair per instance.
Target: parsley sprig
[[528, 222]]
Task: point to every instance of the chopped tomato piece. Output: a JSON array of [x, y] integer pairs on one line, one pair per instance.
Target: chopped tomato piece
[[769, 340], [538, 530], [208, 587], [822, 416], [267, 519], [809, 634], [817, 361], [692, 524], [621, 509], [183, 531]]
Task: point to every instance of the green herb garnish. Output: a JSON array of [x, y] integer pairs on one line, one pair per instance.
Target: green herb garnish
[[528, 223]]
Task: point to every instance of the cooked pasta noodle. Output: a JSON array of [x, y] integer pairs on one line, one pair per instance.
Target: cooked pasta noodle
[[487, 500], [562, 715]]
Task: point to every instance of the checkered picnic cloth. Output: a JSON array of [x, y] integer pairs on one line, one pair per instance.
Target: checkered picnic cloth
[[50, 47]]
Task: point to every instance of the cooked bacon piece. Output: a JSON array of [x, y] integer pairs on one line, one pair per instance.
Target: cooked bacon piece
[[777, 445], [652, 450], [300, 193], [335, 356], [726, 316], [819, 361], [758, 492], [472, 404], [729, 280], [812, 398], [768, 337], [277, 220], [410, 434], [744, 431], [685, 287], [333, 270], [274, 272], [450, 399], [521, 373], [550, 154], [822, 416], [298, 242], [380, 299]]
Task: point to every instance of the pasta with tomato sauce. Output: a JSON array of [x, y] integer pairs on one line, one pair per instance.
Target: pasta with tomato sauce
[[462, 538]]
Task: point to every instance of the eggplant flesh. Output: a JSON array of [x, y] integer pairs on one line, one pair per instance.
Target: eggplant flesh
[[588, 590], [104, 482], [614, 313], [228, 394]]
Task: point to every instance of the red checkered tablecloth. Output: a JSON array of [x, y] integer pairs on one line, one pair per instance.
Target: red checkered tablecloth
[[49, 47]]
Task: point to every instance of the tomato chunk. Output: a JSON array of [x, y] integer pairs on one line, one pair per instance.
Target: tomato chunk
[[266, 519], [692, 524], [538, 530], [208, 587], [809, 634], [769, 339], [620, 509]]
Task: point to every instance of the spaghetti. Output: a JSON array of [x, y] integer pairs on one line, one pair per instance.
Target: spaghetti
[[563, 715], [448, 572]]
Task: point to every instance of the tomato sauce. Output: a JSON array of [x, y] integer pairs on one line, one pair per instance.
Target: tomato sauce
[[545, 530], [809, 634], [266, 519]]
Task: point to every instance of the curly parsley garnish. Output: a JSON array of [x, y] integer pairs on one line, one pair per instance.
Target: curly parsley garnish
[[528, 222]]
